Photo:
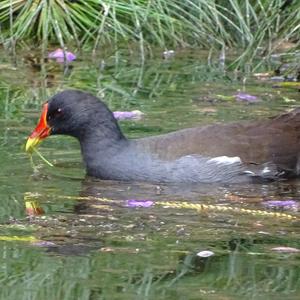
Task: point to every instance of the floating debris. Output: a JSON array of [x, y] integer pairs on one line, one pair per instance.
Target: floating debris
[[226, 98], [262, 76], [205, 253], [288, 100], [168, 54], [240, 96], [286, 249], [288, 84], [278, 78], [14, 238]]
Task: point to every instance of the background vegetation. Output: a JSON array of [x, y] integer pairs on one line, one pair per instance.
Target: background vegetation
[[255, 26]]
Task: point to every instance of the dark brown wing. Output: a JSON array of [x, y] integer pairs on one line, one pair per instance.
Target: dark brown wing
[[274, 140]]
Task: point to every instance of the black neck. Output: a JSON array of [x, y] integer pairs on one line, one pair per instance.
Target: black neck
[[101, 142]]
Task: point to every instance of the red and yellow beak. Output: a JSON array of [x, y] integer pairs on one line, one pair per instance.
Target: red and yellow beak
[[41, 131]]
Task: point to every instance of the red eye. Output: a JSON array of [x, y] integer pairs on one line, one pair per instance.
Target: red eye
[[54, 114]]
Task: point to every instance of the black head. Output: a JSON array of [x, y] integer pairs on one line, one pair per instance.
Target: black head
[[77, 113]]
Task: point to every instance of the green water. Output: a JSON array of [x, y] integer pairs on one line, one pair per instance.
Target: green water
[[85, 248]]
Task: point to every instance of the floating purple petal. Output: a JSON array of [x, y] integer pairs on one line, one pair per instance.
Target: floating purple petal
[[44, 244], [60, 55], [122, 115], [240, 96], [287, 204], [139, 203]]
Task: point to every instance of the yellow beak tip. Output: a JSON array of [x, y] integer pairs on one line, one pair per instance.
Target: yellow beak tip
[[31, 144]]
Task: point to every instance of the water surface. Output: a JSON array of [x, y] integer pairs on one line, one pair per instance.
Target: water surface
[[87, 243]]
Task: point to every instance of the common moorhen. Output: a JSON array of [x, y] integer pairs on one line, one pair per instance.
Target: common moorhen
[[234, 152]]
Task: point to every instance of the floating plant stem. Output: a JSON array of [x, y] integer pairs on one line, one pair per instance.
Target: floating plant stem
[[42, 157]]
